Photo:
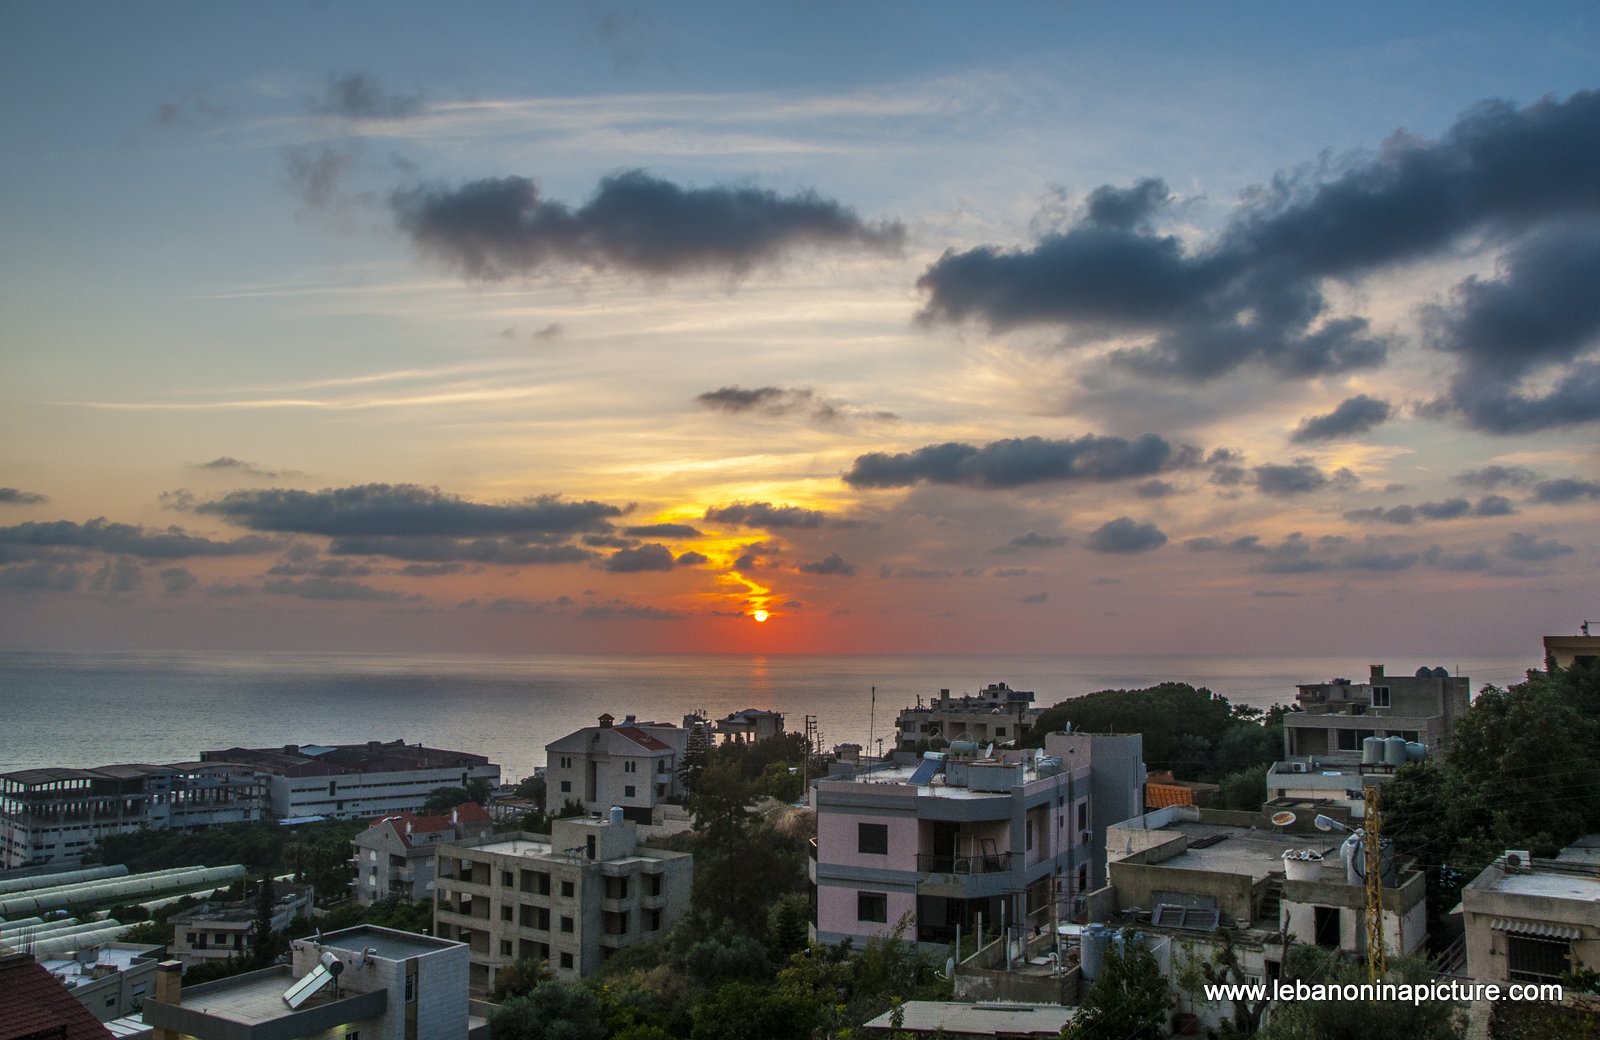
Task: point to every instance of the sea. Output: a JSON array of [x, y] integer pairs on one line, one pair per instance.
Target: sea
[[88, 708]]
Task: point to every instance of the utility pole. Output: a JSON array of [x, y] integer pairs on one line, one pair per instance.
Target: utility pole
[[1377, 960]]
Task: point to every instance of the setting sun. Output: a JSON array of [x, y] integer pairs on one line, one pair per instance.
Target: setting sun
[[760, 615]]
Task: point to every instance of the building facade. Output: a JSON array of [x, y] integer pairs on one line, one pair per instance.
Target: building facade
[[57, 815], [220, 931], [356, 781], [633, 765], [367, 982], [996, 714], [395, 857], [111, 980], [951, 840], [571, 898], [1531, 921]]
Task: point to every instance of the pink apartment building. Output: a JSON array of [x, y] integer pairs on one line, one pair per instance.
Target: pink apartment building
[[1012, 837]]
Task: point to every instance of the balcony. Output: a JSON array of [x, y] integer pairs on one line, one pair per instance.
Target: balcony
[[992, 863]]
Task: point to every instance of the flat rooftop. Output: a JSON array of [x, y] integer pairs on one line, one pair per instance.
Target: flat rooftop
[[514, 847], [1255, 853], [981, 1019], [388, 943], [1551, 884]]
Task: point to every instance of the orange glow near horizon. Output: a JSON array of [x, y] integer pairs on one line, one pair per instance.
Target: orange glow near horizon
[[760, 615]]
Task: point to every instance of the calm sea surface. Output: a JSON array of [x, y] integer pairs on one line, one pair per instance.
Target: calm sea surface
[[88, 709]]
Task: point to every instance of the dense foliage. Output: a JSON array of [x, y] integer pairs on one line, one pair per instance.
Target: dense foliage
[[318, 852], [1523, 773], [1195, 733], [1128, 1000], [1359, 1019]]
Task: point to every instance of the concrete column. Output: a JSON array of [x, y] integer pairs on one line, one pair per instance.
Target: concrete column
[[169, 990]]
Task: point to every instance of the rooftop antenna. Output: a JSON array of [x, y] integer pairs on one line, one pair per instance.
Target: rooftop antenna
[[872, 719]]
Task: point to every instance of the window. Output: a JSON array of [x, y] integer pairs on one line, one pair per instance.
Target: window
[[872, 906], [1083, 816], [507, 879], [1380, 696], [505, 947], [1537, 960], [872, 839], [1350, 739], [505, 913], [566, 961], [629, 791], [411, 988], [566, 890], [999, 731], [630, 766], [566, 925], [566, 787], [566, 761]]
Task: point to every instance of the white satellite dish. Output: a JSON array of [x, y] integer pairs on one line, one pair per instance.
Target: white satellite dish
[[1282, 818]]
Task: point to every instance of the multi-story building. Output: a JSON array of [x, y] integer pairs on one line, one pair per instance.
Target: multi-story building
[[1350, 736], [1568, 651], [223, 930], [367, 982], [571, 898], [111, 980], [633, 766], [1183, 876], [995, 714], [748, 726], [356, 781], [1532, 921], [951, 839], [57, 815], [395, 857], [33, 1003]]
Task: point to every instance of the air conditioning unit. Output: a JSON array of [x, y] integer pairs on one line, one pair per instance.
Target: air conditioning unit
[[1518, 860], [1299, 767]]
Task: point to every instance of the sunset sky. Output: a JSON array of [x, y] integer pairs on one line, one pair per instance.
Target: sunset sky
[[946, 327]]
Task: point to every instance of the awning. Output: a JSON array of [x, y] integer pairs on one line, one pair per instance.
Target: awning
[[1539, 929]]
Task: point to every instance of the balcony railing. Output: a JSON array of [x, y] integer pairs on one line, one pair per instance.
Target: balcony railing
[[993, 863]]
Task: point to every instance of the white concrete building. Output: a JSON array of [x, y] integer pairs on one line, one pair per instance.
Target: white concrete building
[[357, 781], [395, 857], [571, 898], [632, 765], [1533, 920]]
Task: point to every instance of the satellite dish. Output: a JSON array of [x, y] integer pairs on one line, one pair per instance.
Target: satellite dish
[[1324, 823], [1283, 818]]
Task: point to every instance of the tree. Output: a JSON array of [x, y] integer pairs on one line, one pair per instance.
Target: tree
[[553, 1011], [519, 979], [1127, 1001], [742, 1010], [787, 926], [1246, 789], [261, 928], [1297, 1019], [442, 799]]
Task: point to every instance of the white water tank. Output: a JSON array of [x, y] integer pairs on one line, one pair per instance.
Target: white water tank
[[1372, 751], [616, 816], [1394, 751]]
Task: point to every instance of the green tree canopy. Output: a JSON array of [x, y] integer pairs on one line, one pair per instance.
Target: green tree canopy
[[1128, 1000]]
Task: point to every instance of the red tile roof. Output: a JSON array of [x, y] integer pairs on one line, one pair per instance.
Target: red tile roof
[[640, 737], [33, 1002]]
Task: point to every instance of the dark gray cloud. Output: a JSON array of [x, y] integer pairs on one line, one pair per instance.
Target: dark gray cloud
[[1126, 208], [175, 581], [1016, 462], [1527, 548], [511, 605], [356, 95], [776, 401], [1381, 561], [101, 535], [404, 510], [608, 541], [1541, 315], [1031, 540], [765, 514], [1037, 597], [1490, 477], [117, 576], [652, 557], [1449, 509], [1471, 561], [1255, 294], [634, 222], [693, 559], [1249, 543], [753, 555], [332, 590], [661, 531], [228, 463], [430, 570], [1126, 535], [16, 497], [1565, 489], [628, 612], [316, 174], [1353, 415], [1154, 488], [502, 551], [42, 576], [832, 564], [1282, 481], [914, 573]]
